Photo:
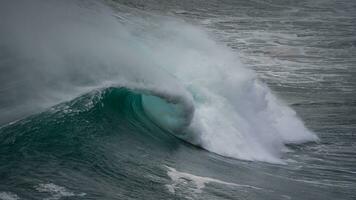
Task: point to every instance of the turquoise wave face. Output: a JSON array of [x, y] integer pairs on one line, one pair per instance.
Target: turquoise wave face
[[96, 141], [168, 115], [98, 114]]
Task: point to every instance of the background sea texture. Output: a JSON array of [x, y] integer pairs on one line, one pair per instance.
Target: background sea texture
[[177, 99]]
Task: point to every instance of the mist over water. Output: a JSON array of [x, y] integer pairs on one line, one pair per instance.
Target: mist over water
[[54, 50]]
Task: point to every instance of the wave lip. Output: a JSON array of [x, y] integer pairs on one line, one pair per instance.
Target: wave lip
[[256, 128], [173, 113], [170, 110]]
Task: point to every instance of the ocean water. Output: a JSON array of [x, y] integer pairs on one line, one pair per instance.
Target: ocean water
[[177, 99]]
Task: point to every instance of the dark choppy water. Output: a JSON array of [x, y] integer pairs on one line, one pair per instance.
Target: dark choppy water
[[102, 145]]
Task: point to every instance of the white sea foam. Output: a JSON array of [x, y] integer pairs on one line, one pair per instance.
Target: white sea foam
[[236, 115], [8, 196], [198, 183], [56, 191]]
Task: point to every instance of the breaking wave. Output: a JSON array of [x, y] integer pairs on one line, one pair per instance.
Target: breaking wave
[[165, 71]]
